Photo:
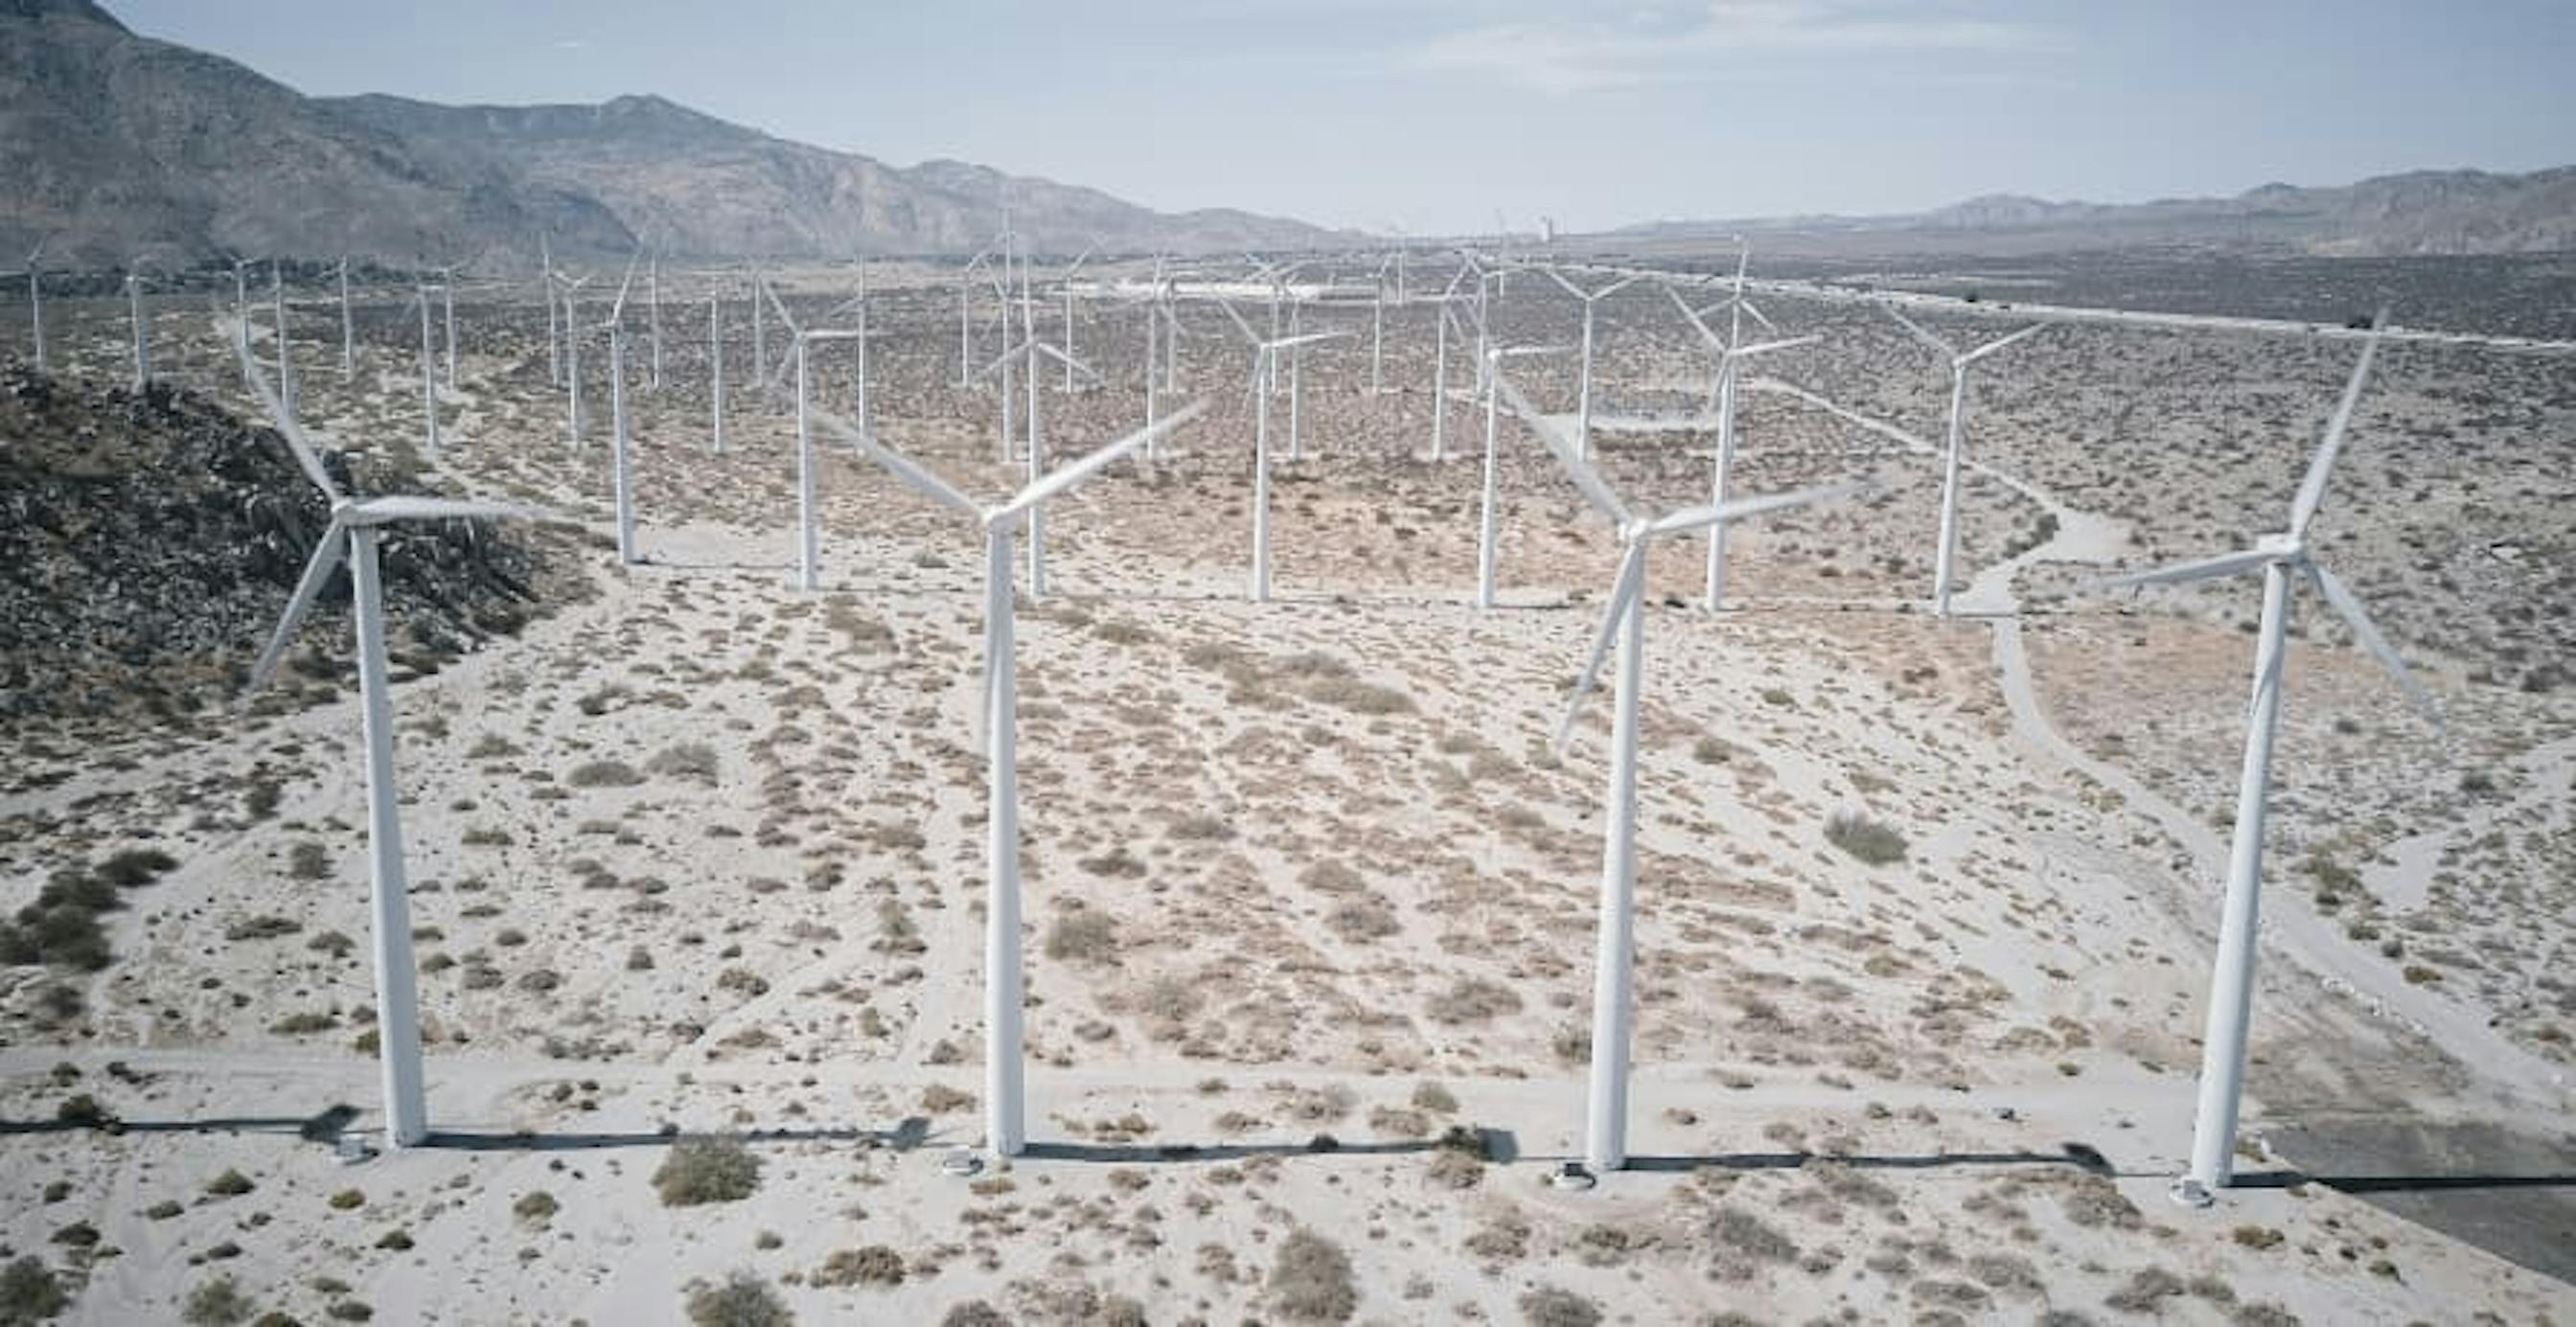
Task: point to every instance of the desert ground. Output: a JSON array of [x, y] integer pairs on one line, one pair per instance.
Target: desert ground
[[697, 875]]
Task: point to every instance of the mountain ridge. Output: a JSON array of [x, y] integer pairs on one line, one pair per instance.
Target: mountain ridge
[[122, 147]]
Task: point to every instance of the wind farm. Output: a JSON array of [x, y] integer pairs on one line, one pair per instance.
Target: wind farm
[[1043, 777]]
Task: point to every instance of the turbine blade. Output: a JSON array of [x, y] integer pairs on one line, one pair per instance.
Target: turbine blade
[[1006, 357], [1230, 312], [1292, 342], [1758, 315], [1919, 334], [624, 284], [1066, 477], [1632, 565], [1766, 347], [2348, 606], [1062, 358], [1559, 278], [904, 467], [2312, 490], [305, 456], [1693, 518], [326, 556], [1616, 286], [1694, 318], [2000, 342], [2198, 569], [377, 511], [1585, 478]]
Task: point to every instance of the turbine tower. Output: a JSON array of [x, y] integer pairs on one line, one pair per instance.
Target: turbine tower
[[1265, 374], [1952, 455], [1583, 391], [1489, 516], [352, 534], [1005, 1086], [1623, 621], [2282, 558], [1725, 354]]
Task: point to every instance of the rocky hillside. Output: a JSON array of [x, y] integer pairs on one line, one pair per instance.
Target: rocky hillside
[[148, 545], [120, 146]]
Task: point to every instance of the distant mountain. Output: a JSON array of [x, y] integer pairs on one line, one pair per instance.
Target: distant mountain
[[119, 145], [2420, 212]]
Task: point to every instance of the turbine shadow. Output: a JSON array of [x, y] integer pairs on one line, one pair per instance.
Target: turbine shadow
[[2079, 1156], [908, 1135], [1495, 1145], [2369, 1184]]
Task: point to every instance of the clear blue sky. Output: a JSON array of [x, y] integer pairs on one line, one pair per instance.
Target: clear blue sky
[[1435, 114]]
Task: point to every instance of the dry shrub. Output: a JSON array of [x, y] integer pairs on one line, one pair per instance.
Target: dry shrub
[[1311, 1281], [1473, 1000], [707, 1170]]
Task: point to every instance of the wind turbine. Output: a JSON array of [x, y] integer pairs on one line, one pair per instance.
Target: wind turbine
[[1377, 333], [1440, 368], [1725, 353], [554, 358], [1583, 391], [1488, 517], [1265, 372], [965, 318], [241, 291], [352, 534], [1623, 620], [759, 328], [1005, 1088], [1959, 363], [1036, 456], [428, 376], [621, 468], [142, 329], [809, 553], [349, 327], [36, 299], [653, 304], [572, 353], [1068, 315], [285, 361], [715, 365], [447, 297], [2282, 558]]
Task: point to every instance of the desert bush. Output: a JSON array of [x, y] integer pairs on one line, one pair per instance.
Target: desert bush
[[1744, 1241], [1083, 935], [1548, 1306], [941, 1099], [216, 1303], [695, 761], [1329, 876], [230, 1184], [308, 860], [1362, 920], [2147, 1290], [706, 1170], [310, 1021], [1358, 697], [973, 1313], [30, 1292], [1435, 1098], [2257, 1237], [263, 927], [1873, 843], [1311, 1281], [604, 774], [873, 1265], [136, 866], [1205, 828], [743, 1300], [536, 1207], [1473, 1000]]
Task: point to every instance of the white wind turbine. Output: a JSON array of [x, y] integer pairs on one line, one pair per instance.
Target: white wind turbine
[[36, 299], [142, 329], [554, 356], [2282, 558], [1489, 517], [1725, 355], [1583, 390], [1036, 453], [653, 306], [349, 327], [965, 318], [715, 366], [1440, 367], [285, 360], [571, 287], [352, 534], [1623, 620], [428, 376], [1265, 372], [241, 292], [1377, 332], [1067, 285], [447, 297], [621, 465], [1005, 1087], [1952, 455]]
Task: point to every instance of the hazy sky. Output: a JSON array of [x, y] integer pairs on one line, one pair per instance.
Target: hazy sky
[[1433, 115]]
